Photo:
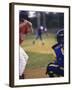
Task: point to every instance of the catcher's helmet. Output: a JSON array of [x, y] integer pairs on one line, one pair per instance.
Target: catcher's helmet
[[60, 36]]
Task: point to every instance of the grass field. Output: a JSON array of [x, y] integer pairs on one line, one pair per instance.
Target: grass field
[[39, 55]]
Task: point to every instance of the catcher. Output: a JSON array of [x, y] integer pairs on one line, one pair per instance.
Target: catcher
[[57, 68]]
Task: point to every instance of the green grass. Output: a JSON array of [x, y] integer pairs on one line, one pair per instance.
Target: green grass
[[39, 55], [44, 36], [49, 41], [38, 60]]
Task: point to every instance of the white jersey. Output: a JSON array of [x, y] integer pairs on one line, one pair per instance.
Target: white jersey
[[22, 61]]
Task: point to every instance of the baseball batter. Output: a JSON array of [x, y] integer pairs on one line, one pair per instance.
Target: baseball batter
[[24, 28]]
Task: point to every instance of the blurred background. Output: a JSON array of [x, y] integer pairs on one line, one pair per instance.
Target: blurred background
[[52, 21]]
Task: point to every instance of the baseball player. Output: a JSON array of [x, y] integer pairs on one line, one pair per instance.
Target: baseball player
[[57, 68], [24, 28], [39, 34]]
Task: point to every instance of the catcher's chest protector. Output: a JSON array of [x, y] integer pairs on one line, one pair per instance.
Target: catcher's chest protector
[[59, 55]]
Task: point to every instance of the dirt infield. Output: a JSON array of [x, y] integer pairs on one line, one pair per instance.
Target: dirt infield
[[35, 73]]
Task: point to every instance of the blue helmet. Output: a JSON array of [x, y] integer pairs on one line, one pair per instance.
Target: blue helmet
[[60, 36]]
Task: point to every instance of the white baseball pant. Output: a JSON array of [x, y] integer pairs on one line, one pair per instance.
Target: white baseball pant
[[22, 61]]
